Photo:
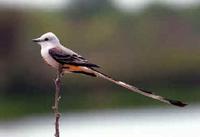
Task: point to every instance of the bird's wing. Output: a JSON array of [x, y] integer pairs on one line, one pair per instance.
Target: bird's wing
[[71, 58]]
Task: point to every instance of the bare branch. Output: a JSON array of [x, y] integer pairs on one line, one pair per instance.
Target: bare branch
[[57, 99]]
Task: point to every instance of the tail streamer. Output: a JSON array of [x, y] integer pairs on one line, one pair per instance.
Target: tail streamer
[[139, 91]]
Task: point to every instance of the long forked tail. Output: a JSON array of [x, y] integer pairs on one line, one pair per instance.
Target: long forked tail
[[140, 91]]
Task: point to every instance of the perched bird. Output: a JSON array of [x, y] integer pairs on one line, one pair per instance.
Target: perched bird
[[55, 55]]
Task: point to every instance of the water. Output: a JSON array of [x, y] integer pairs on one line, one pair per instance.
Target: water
[[160, 122]]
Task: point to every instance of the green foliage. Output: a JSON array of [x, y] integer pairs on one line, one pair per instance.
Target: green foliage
[[84, 9]]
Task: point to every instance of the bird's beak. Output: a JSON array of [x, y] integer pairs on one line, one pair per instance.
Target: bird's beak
[[36, 40]]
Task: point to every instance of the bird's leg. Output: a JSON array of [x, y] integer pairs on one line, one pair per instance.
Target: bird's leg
[[61, 74], [57, 99]]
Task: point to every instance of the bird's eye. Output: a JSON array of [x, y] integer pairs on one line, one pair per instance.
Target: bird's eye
[[46, 39]]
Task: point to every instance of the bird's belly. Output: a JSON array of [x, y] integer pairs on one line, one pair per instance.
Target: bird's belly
[[51, 62]]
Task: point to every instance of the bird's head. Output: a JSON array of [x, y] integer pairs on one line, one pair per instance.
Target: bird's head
[[46, 39]]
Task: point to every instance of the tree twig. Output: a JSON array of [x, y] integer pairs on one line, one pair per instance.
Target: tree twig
[[57, 99]]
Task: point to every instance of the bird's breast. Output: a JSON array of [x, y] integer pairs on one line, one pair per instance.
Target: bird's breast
[[48, 59]]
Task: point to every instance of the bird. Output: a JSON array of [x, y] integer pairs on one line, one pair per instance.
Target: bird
[[55, 55]]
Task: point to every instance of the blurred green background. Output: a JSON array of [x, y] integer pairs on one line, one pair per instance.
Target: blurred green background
[[155, 48]]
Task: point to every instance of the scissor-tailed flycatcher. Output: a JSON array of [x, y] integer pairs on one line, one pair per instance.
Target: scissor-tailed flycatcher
[[55, 55]]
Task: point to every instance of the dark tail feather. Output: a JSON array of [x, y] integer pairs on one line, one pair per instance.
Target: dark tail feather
[[140, 91], [176, 103]]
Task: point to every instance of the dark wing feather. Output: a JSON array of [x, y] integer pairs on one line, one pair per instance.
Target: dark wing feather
[[71, 59]]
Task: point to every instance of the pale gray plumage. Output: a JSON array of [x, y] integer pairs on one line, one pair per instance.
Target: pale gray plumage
[[55, 54]]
